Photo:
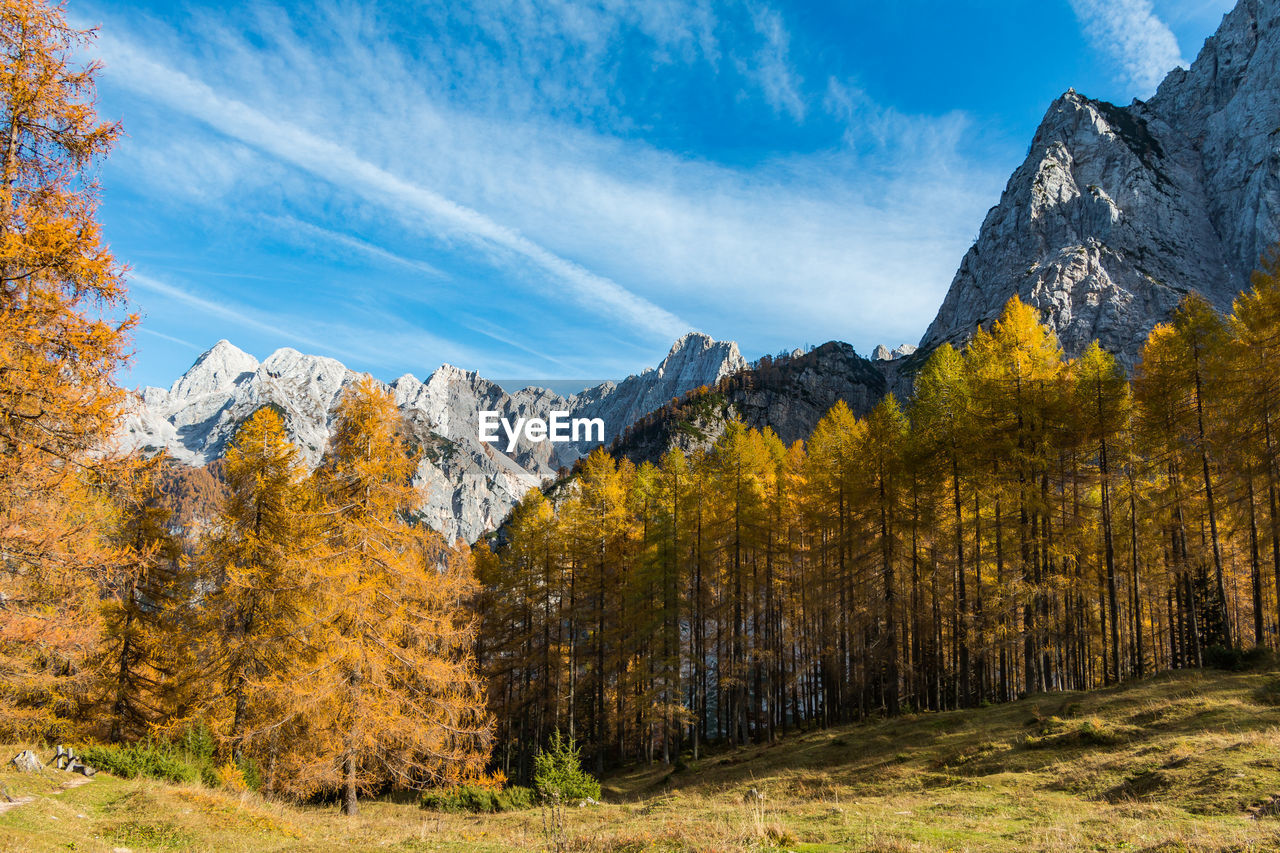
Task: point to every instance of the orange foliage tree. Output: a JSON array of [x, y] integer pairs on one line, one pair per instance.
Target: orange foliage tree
[[262, 601], [394, 697], [60, 346], [144, 657]]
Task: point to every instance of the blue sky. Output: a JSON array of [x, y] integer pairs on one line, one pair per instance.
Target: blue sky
[[540, 188]]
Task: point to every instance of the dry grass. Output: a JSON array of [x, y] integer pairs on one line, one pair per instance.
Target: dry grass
[[1179, 763]]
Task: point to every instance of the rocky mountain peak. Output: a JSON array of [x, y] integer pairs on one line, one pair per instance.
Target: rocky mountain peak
[[691, 340], [446, 373], [287, 361], [1118, 212], [217, 369], [698, 354], [883, 353]]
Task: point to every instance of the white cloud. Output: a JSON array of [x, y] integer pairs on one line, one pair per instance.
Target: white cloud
[[1130, 33], [170, 338], [195, 169], [771, 65], [327, 239], [332, 162]]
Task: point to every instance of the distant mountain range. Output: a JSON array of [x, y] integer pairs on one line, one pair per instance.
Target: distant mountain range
[[469, 486], [1115, 215]]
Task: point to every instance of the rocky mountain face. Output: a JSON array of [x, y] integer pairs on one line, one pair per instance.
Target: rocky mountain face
[[790, 394], [883, 353], [1118, 212], [468, 486]]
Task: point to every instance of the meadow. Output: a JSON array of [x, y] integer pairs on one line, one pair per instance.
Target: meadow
[[1187, 761]]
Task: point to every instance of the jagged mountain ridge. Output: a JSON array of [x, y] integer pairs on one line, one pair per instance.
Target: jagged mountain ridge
[[468, 486], [1118, 212], [789, 394]]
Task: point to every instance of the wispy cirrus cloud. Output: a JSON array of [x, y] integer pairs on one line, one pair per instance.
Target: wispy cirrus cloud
[[1133, 36], [330, 161], [348, 338], [238, 315], [327, 238], [771, 65], [170, 338]]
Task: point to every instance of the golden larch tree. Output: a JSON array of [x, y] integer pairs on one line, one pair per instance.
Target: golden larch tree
[[60, 347], [145, 658], [261, 608], [396, 695]]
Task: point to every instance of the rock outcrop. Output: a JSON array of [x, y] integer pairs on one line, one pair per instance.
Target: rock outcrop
[[468, 486], [883, 353], [1118, 212], [788, 394]]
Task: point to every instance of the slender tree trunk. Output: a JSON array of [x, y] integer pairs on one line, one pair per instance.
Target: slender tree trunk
[[1259, 637], [350, 805], [1139, 659], [1275, 507], [1213, 513], [886, 552], [962, 605], [1109, 549]]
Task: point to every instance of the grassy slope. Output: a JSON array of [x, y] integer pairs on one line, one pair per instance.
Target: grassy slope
[[1181, 762]]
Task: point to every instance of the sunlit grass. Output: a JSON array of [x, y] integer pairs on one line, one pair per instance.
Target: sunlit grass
[[1184, 762]]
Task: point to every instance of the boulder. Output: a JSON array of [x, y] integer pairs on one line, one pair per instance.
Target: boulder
[[27, 762]]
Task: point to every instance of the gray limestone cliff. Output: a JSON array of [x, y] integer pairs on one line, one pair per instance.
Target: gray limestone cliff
[[1118, 212]]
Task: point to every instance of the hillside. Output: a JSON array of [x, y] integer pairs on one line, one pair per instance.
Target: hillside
[[1184, 762], [788, 394]]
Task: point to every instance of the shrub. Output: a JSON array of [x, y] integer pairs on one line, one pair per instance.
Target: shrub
[[187, 759], [141, 759], [518, 797], [558, 773], [250, 772], [1236, 659], [231, 777], [197, 743], [196, 747], [476, 799]]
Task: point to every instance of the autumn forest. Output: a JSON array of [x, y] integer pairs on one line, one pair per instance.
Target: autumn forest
[[1026, 523]]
